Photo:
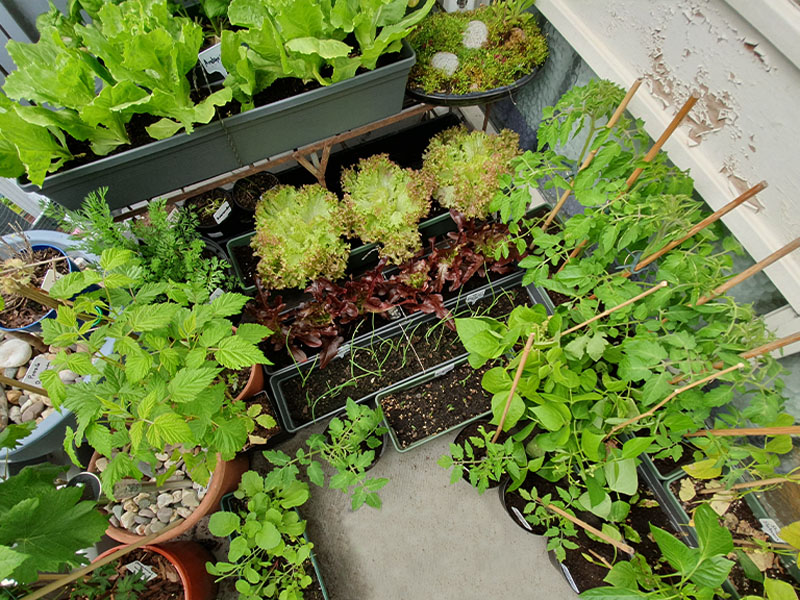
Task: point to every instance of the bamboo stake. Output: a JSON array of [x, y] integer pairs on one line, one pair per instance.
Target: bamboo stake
[[23, 386], [750, 484], [673, 125], [611, 124], [792, 430], [765, 349], [562, 513], [33, 264], [529, 344], [67, 579], [751, 544], [680, 390], [651, 154], [749, 272], [716, 216]]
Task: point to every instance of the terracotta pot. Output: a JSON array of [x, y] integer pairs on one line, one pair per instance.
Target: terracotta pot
[[224, 479], [189, 559], [255, 383]]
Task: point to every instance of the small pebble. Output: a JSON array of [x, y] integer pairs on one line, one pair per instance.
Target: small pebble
[[141, 520], [14, 353], [13, 396], [155, 527], [114, 521], [67, 376], [190, 499], [101, 464], [3, 411], [161, 456], [26, 402], [147, 513], [10, 372], [177, 496], [127, 520], [46, 413], [140, 497], [21, 372], [117, 510], [164, 500], [447, 62], [165, 514], [141, 529], [33, 411], [130, 506], [14, 414], [184, 512]]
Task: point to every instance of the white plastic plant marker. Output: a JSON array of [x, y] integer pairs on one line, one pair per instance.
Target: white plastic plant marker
[[37, 366], [138, 567], [770, 527], [222, 212], [211, 59], [49, 279], [215, 294]]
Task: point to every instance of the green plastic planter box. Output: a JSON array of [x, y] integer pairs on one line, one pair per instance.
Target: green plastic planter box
[[413, 382], [225, 504], [166, 165]]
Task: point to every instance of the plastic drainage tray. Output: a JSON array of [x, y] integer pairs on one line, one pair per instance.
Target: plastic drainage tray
[[280, 379], [414, 381]]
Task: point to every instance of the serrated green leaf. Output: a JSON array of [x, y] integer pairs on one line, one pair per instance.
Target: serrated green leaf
[[236, 353], [187, 384]]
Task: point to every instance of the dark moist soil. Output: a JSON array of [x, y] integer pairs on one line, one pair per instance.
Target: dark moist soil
[[589, 575], [557, 298], [247, 191], [667, 466], [266, 409], [363, 372], [21, 311], [197, 205], [167, 586], [744, 525], [239, 380], [438, 405], [474, 430]]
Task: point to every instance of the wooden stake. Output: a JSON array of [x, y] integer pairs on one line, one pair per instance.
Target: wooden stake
[[749, 272], [716, 216], [67, 579], [562, 513], [680, 390], [751, 544], [750, 484], [23, 386], [676, 120], [765, 349], [611, 123], [651, 154], [791, 430], [529, 345]]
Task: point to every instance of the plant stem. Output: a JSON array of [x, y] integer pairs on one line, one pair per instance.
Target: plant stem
[[619, 545], [793, 430], [751, 484]]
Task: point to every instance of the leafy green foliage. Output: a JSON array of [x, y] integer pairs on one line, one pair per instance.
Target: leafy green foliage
[[310, 40], [269, 553], [298, 236], [103, 583], [384, 203], [41, 527], [348, 446], [161, 385], [514, 47], [467, 167], [169, 248]]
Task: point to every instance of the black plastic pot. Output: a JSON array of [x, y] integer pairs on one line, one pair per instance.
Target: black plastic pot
[[224, 222], [260, 182], [166, 165], [475, 98]]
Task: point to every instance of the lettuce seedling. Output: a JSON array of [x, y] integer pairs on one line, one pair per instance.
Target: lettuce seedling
[[298, 236], [384, 204], [467, 167]]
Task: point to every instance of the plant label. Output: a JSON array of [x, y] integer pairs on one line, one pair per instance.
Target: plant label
[[444, 370], [521, 518], [770, 527], [38, 364], [173, 215], [211, 59], [215, 294], [474, 297], [142, 569], [222, 212], [343, 350], [49, 279]]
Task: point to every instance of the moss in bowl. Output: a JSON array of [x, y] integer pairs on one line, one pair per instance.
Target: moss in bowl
[[514, 46]]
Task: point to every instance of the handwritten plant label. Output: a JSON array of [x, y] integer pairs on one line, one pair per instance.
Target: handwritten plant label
[[142, 569], [222, 212], [38, 364], [474, 297], [49, 279], [770, 527], [211, 59], [215, 294]]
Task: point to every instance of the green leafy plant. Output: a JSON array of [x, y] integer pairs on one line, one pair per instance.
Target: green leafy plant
[[298, 236], [697, 573], [348, 447], [161, 384], [269, 554], [485, 461], [384, 203], [309, 40], [105, 583], [168, 245], [467, 168], [43, 526]]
